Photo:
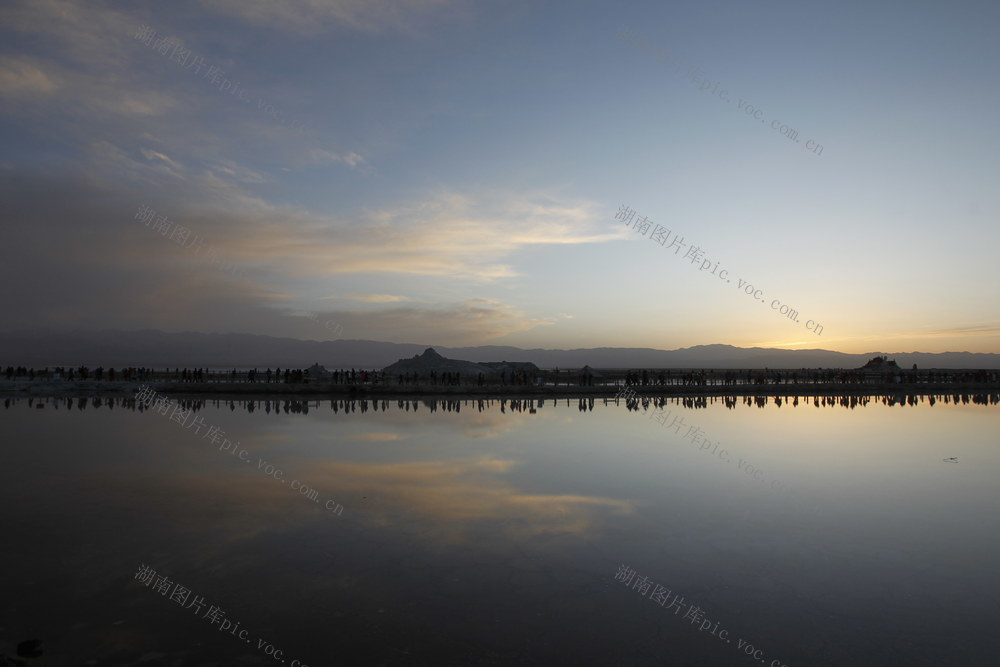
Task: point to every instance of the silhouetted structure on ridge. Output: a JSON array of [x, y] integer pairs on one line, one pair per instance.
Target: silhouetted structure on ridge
[[881, 364]]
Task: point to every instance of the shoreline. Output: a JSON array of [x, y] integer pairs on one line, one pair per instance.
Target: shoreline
[[88, 388]]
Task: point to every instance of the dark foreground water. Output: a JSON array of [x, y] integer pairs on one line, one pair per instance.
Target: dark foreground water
[[497, 534]]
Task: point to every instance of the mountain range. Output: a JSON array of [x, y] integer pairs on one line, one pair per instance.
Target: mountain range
[[161, 349]]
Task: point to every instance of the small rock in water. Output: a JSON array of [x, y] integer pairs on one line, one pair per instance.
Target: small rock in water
[[29, 648]]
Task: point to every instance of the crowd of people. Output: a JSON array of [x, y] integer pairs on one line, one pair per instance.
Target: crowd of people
[[79, 373], [199, 375], [555, 377], [805, 376]]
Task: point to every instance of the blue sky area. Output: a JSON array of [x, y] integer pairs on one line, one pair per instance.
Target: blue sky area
[[449, 172]]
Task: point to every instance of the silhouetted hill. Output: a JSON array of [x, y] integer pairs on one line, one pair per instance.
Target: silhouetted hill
[[430, 360], [160, 349]]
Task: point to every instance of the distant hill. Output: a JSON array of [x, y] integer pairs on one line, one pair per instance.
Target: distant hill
[[430, 360], [160, 349], [881, 364]]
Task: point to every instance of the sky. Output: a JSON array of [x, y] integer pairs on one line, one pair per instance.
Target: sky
[[529, 173]]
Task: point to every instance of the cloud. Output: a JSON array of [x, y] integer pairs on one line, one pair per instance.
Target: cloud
[[970, 330], [72, 89], [374, 437], [126, 275], [98, 83], [467, 323], [863, 343], [19, 77], [87, 33], [458, 492], [460, 235], [311, 17], [350, 158], [237, 172], [464, 237], [454, 495], [152, 155], [373, 298]]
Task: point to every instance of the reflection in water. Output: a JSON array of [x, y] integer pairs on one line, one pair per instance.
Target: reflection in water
[[487, 531], [529, 405]]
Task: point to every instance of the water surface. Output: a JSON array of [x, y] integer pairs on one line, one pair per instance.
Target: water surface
[[437, 532]]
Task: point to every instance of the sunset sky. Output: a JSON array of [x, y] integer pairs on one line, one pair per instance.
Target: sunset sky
[[449, 171]]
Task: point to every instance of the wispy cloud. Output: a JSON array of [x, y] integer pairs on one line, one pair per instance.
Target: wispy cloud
[[461, 236], [350, 158], [464, 236], [470, 322], [88, 33], [374, 437], [153, 156], [20, 77], [311, 17], [454, 492], [372, 298], [970, 330]]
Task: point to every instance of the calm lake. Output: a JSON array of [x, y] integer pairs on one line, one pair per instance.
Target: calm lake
[[437, 532]]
